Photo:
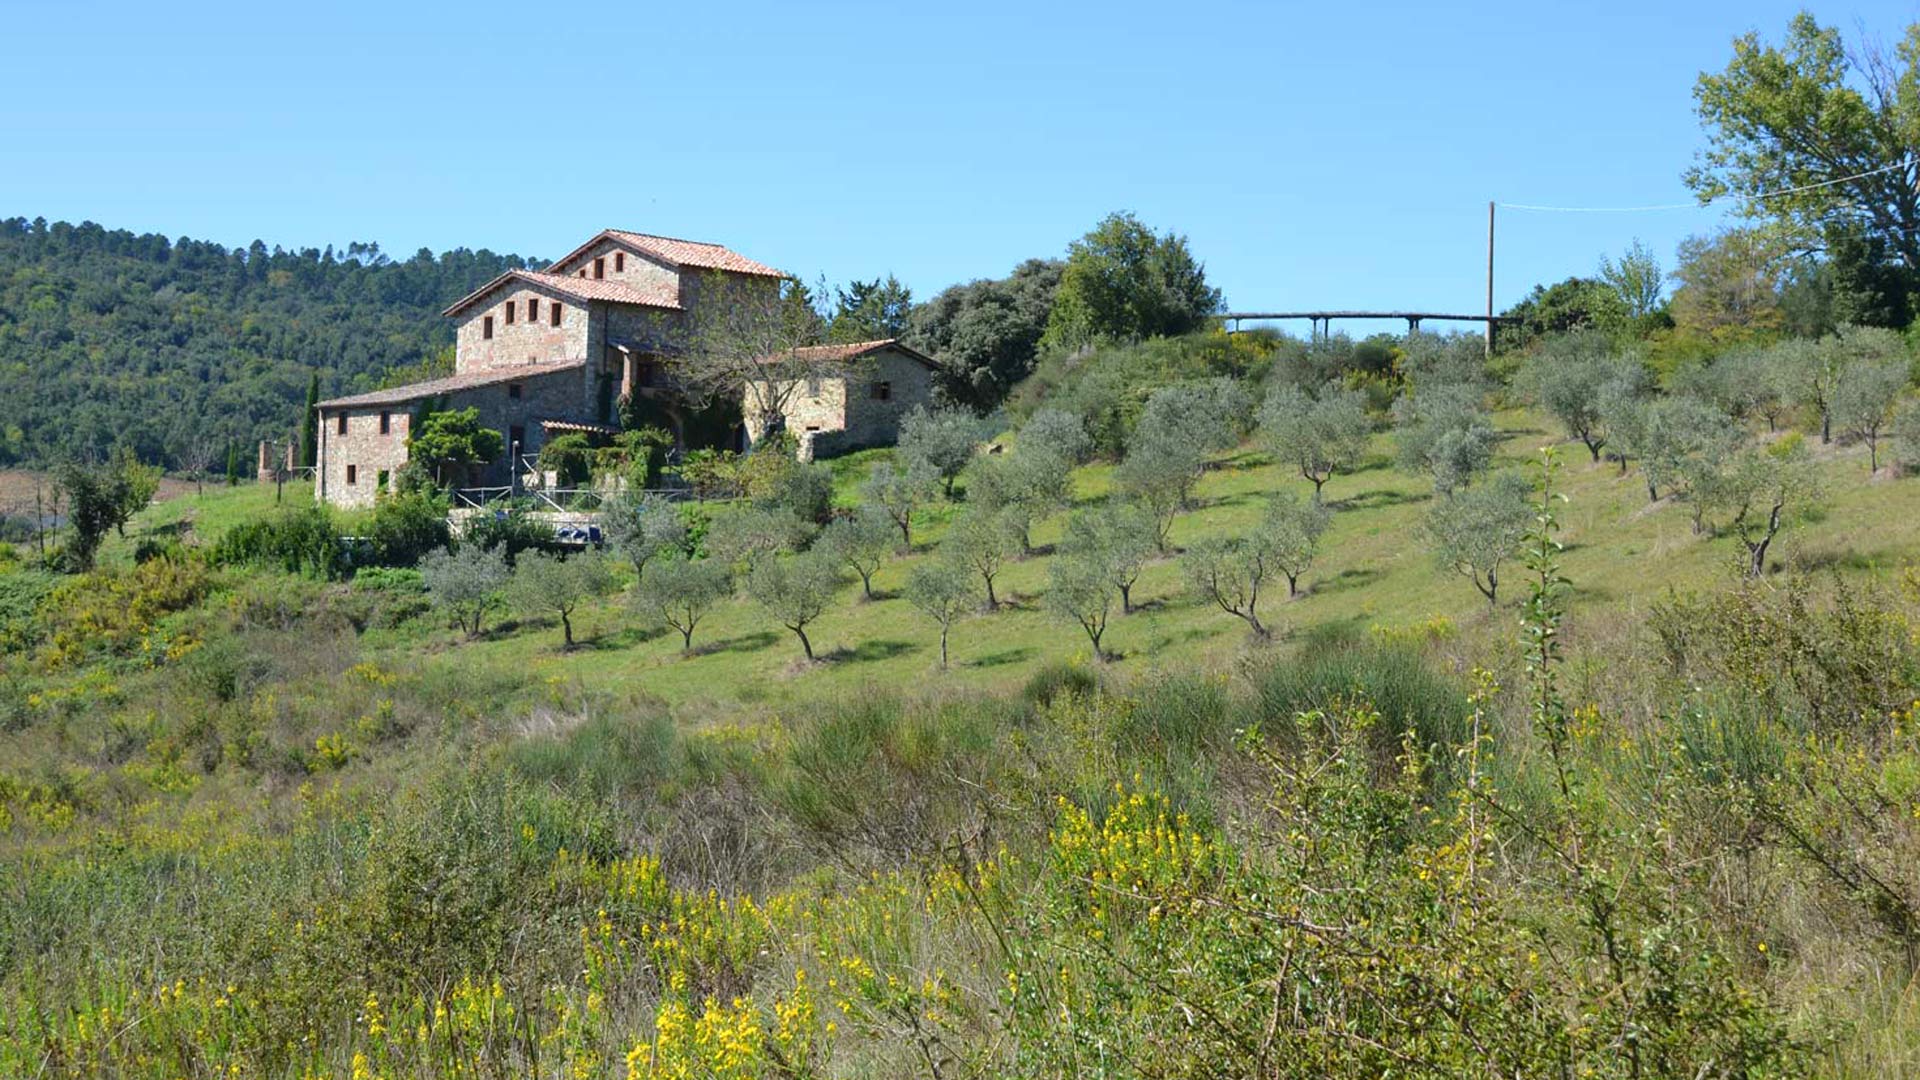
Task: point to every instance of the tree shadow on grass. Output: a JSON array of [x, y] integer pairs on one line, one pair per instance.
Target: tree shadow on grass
[[753, 642], [1346, 579], [868, 651], [1002, 658], [1378, 498], [621, 640]]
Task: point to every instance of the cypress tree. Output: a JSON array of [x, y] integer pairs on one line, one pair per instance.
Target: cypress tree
[[310, 425]]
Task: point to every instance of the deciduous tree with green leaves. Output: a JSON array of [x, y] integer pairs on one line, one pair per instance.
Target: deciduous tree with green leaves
[[453, 441], [1124, 282]]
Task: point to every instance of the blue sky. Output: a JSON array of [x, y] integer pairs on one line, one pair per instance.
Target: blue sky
[[1323, 155]]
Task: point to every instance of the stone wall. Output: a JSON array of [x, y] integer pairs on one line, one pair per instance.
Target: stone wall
[[523, 342], [873, 422], [364, 448], [622, 265], [560, 395], [840, 411]]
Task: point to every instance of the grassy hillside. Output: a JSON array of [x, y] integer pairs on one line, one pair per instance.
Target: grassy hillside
[[262, 822], [1374, 571]]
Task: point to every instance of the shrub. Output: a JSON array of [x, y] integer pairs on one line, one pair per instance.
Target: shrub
[[509, 531], [300, 541], [1058, 679], [405, 527]]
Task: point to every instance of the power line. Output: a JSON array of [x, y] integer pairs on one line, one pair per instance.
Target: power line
[[1706, 202]]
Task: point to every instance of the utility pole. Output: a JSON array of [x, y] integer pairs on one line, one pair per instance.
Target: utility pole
[[1489, 279]]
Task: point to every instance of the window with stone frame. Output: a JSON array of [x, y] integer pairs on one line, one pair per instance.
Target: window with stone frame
[[353, 474], [619, 261], [511, 308], [486, 328], [515, 390], [386, 422], [340, 424], [881, 391], [599, 267], [533, 310], [553, 312]]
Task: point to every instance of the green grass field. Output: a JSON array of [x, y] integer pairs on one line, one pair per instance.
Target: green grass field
[[1373, 570]]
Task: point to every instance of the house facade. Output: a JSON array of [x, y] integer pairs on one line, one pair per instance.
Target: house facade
[[857, 399], [542, 352]]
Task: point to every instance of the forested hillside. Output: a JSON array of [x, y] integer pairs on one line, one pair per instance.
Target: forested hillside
[[111, 340]]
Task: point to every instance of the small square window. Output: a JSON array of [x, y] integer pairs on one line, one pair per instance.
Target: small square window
[[353, 474], [514, 390], [619, 261], [486, 328], [386, 423], [511, 308], [599, 267], [340, 424], [553, 313], [882, 391]]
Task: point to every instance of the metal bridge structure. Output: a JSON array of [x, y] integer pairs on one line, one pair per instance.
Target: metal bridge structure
[[1322, 321]]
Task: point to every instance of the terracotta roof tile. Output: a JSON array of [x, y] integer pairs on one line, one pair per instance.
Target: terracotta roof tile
[[466, 381], [693, 253], [575, 288], [840, 354]]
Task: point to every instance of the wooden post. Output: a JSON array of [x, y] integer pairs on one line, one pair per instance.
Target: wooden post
[[1489, 278]]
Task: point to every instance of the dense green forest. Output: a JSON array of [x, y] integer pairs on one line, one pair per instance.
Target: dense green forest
[[113, 340]]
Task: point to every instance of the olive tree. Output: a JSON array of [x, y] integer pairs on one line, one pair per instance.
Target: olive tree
[[1229, 573], [861, 542], [642, 528], [795, 590], [1317, 434], [943, 592], [1021, 487], [1443, 432], [1472, 532], [899, 493], [981, 540], [1758, 487], [745, 534], [1906, 437], [1290, 532], [1569, 379], [558, 585], [681, 591], [1121, 537], [466, 582], [1080, 590], [1680, 439], [1864, 397], [1057, 433], [944, 440], [1201, 417], [1159, 476]]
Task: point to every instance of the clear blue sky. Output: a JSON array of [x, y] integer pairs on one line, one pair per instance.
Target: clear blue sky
[[1315, 154]]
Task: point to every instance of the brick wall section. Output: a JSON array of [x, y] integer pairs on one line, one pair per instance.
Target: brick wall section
[[524, 342], [562, 395]]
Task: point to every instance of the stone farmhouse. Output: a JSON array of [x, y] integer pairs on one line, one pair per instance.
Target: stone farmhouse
[[540, 353], [858, 398]]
